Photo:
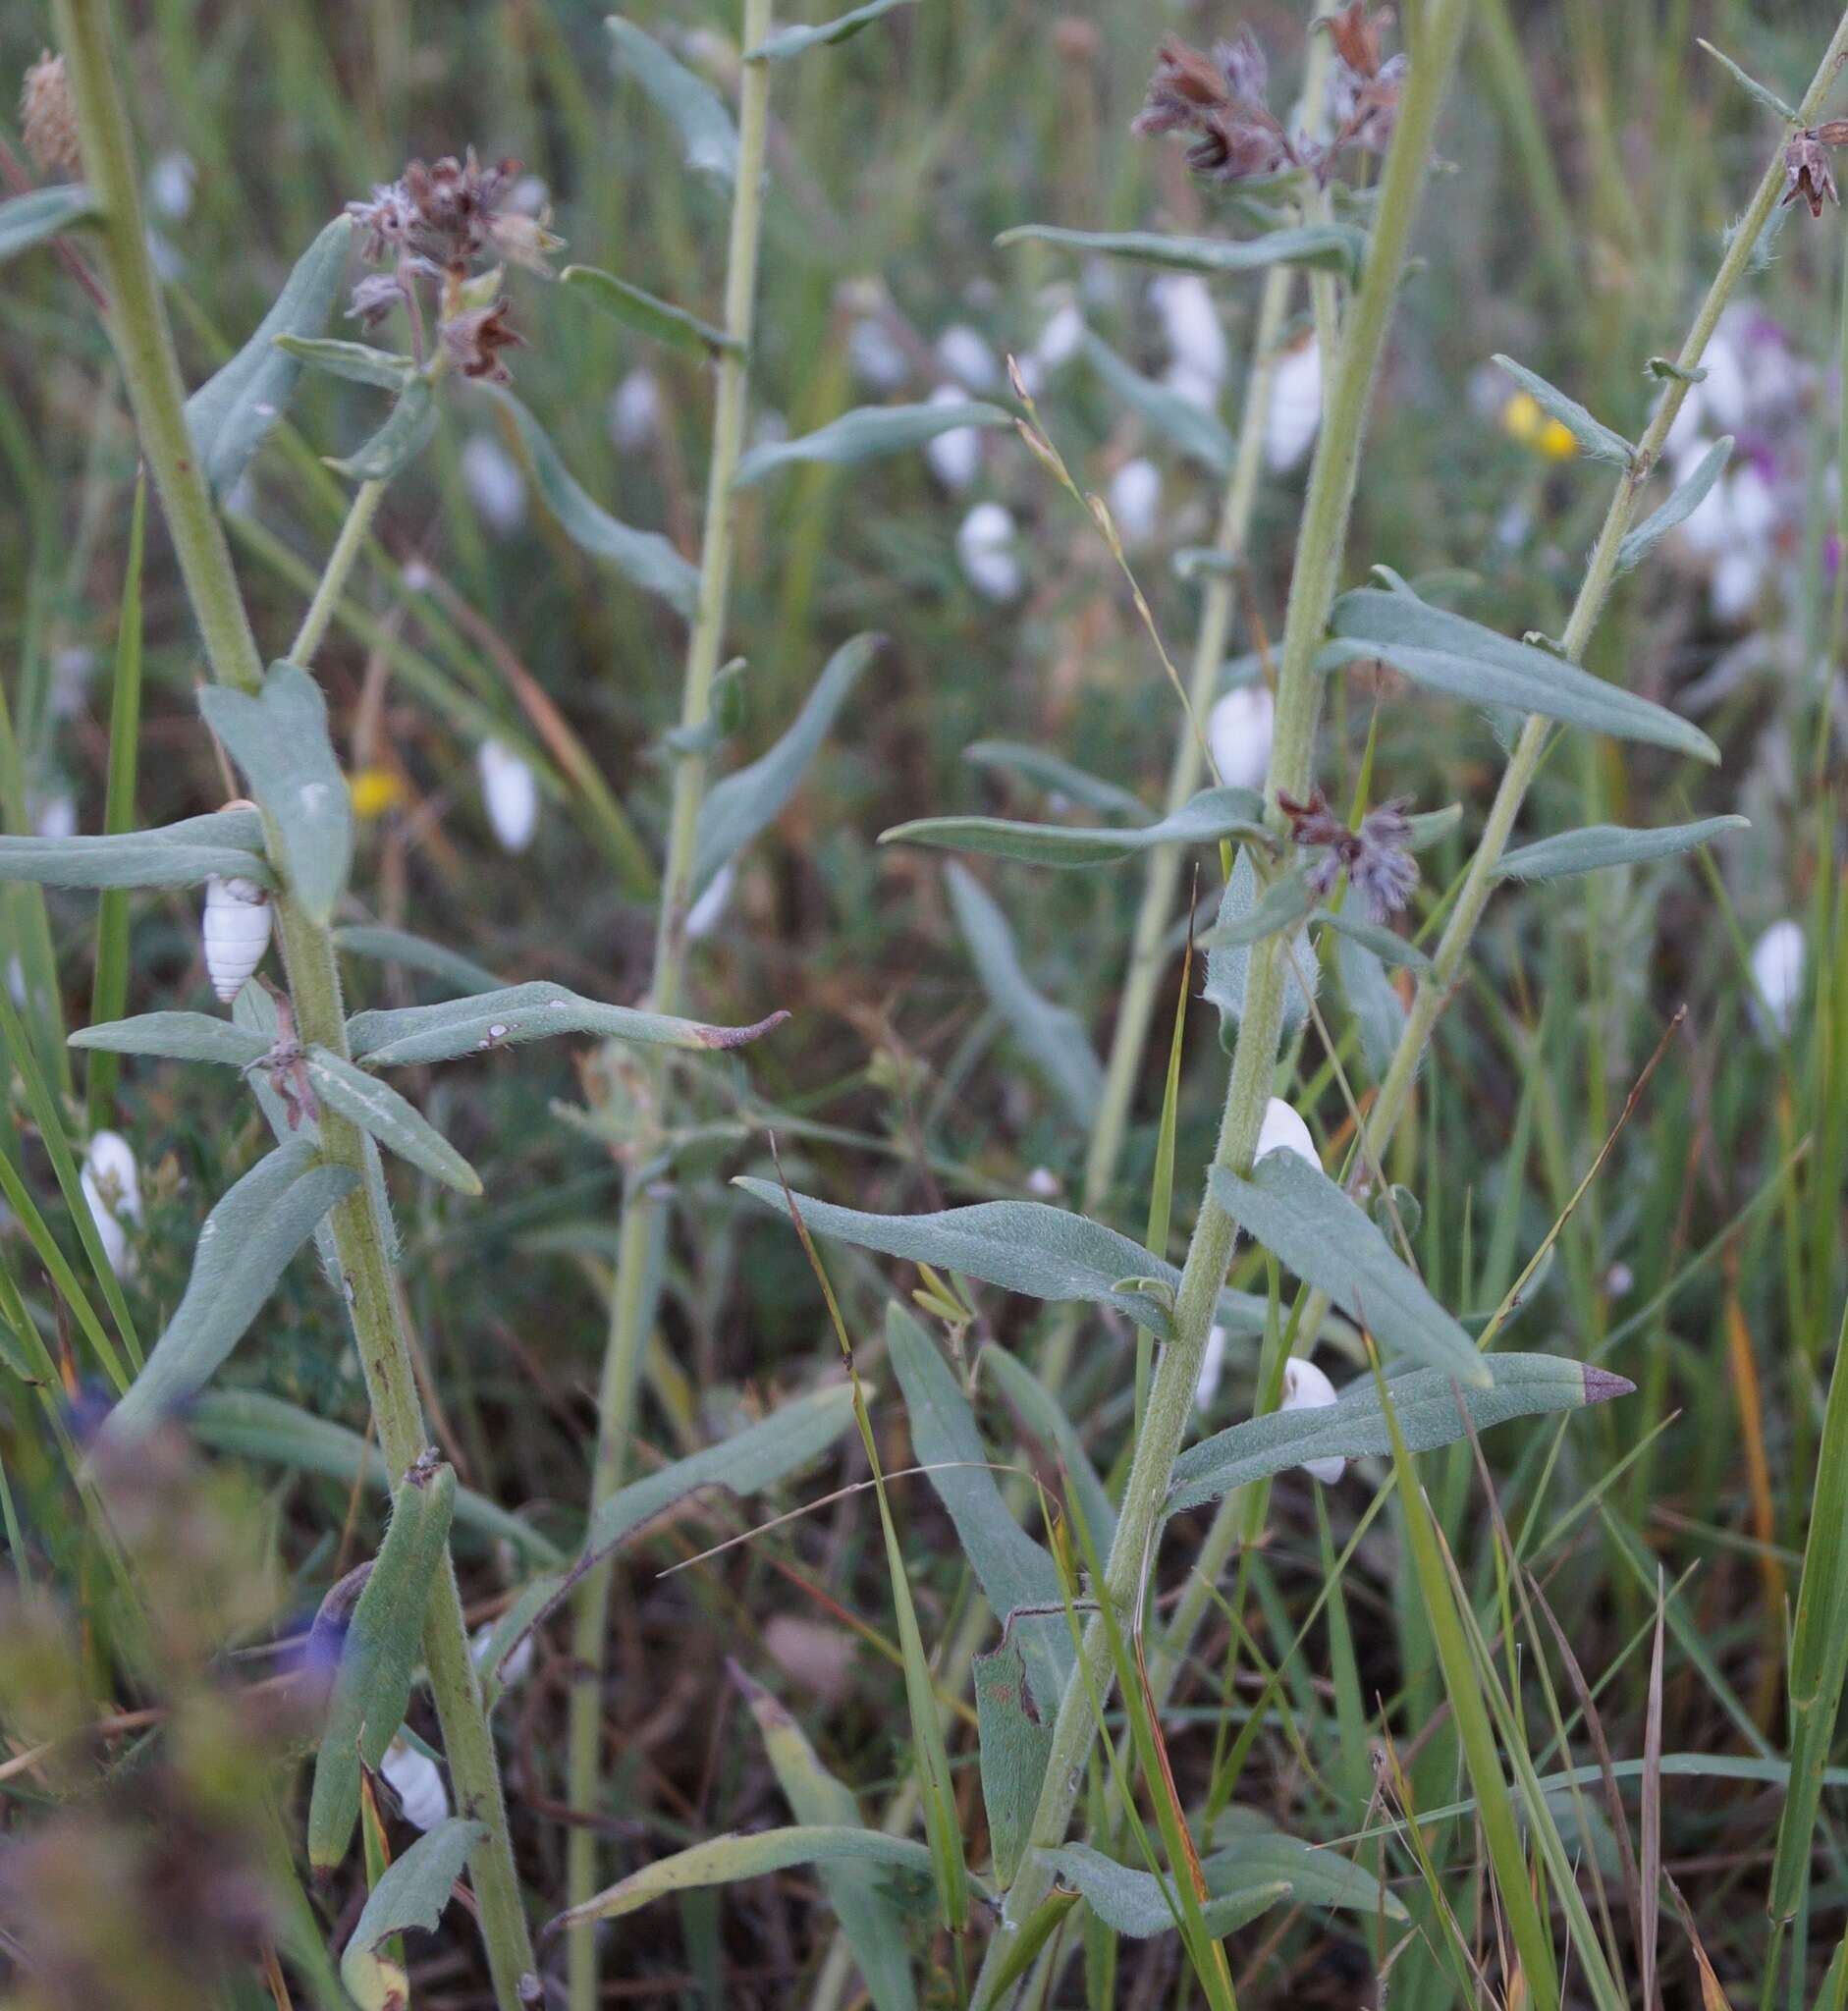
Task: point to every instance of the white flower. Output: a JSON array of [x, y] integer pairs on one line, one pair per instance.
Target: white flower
[[708, 911], [635, 412], [1196, 338], [1306, 1388], [1211, 1368], [954, 456], [417, 1781], [985, 545], [112, 1186], [874, 354], [510, 791], [170, 185], [235, 929], [1282, 1130], [1238, 732], [1060, 339], [1135, 501], [1777, 959], [1289, 426], [518, 1664], [968, 358], [495, 484]]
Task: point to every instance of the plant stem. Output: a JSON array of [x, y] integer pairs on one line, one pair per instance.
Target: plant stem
[[145, 346], [340, 563], [1320, 546], [632, 1309]]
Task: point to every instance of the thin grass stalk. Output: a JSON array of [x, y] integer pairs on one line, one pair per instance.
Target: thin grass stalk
[[1320, 543], [641, 1225], [143, 344]]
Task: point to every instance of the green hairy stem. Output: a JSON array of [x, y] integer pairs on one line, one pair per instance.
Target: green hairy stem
[[144, 343]]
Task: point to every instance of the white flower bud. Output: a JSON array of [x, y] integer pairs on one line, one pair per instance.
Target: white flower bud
[[985, 545], [1777, 959], [495, 484], [1282, 1130], [1135, 501], [1238, 732], [235, 928], [955, 456], [417, 1781], [518, 1664], [1295, 413], [112, 1186], [510, 791], [1306, 1388], [1211, 1368]]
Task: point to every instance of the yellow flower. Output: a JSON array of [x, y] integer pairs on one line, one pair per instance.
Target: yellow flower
[[1522, 420], [374, 790]]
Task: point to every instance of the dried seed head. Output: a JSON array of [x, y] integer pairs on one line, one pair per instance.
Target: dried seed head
[[1219, 100], [47, 121], [1364, 84], [443, 216], [1807, 167], [1355, 32], [474, 338]]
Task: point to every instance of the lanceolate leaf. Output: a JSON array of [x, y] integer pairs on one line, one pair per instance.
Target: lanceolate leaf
[[29, 220], [379, 1656], [1426, 1402], [1326, 247], [359, 363], [644, 558], [1377, 1010], [1023, 1246], [741, 805], [1609, 844], [280, 741], [1685, 500], [1595, 438], [867, 433], [519, 1014], [726, 1860], [1012, 1569], [1138, 1904], [761, 1455], [1447, 653], [1300, 1215], [242, 1251], [228, 842], [230, 414], [1761, 94], [1374, 935], [1041, 1416], [179, 1036], [396, 1124], [415, 953], [1286, 904], [1051, 1037], [1015, 1731], [413, 1893], [791, 41], [1060, 779], [1179, 421], [641, 311], [1228, 968], [1212, 814], [409, 427], [707, 135]]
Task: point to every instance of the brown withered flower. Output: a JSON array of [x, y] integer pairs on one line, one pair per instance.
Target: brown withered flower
[[1355, 32], [474, 338], [1808, 169], [1364, 84], [443, 215], [1376, 858], [1219, 100]]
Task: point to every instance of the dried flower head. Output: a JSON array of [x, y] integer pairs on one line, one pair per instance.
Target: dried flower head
[[47, 122], [443, 216], [1808, 171], [1377, 857], [1355, 32], [1219, 100], [1364, 84], [475, 337]]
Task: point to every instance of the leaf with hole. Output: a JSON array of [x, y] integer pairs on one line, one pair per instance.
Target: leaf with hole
[[279, 739], [230, 414], [1212, 814], [1598, 845], [867, 433]]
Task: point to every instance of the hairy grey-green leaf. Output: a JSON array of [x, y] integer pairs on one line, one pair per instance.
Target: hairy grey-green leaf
[[1179, 420], [792, 41], [397, 1124], [1138, 1904], [1323, 247], [177, 1035], [409, 427], [230, 414], [1059, 777], [646, 314], [1686, 499], [1284, 904], [791, 1437], [412, 1893], [1388, 948], [416, 953], [280, 740], [866, 433], [1212, 814], [1761, 93], [1022, 1246], [1043, 1417], [741, 805], [1447, 653], [1598, 845], [242, 1251], [644, 558], [228, 844], [517, 1014], [29, 220], [1305, 1221], [1012, 1569], [1425, 1403], [1014, 1732], [358, 362], [1229, 970], [1051, 1037], [689, 104], [1596, 440], [1378, 1011]]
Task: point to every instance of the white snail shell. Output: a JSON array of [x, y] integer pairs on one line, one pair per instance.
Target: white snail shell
[[235, 928], [512, 793]]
